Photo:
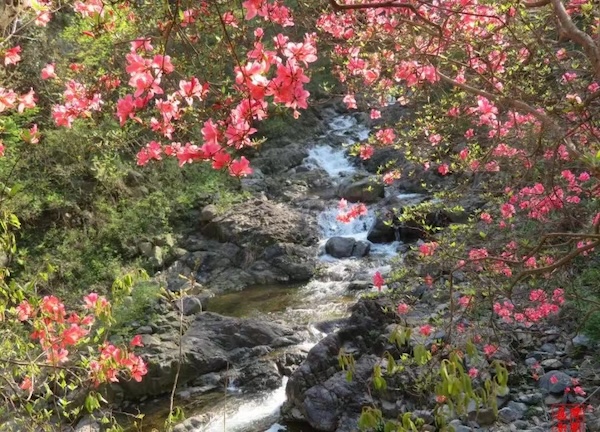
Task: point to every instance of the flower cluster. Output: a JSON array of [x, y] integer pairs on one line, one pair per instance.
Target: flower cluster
[[62, 334], [542, 307]]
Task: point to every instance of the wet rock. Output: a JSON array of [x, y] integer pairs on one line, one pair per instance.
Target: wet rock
[[359, 285], [192, 424], [318, 391], [259, 376], [361, 249], [340, 247], [211, 343], [388, 227], [364, 191], [382, 232]]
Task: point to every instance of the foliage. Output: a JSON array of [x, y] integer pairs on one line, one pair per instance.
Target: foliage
[[504, 99], [456, 388], [138, 306], [53, 357]]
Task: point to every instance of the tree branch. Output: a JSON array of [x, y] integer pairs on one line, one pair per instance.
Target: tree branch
[[544, 118], [386, 4], [536, 4], [572, 31]]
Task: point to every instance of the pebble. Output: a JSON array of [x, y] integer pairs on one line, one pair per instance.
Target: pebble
[[144, 330], [552, 364], [530, 398], [582, 341], [549, 348], [509, 415]]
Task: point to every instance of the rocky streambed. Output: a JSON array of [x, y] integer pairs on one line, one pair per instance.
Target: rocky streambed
[[272, 297]]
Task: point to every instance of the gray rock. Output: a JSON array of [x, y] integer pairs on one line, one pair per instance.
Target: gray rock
[[562, 382], [530, 361], [359, 285], [279, 160], [178, 252], [259, 376], [211, 343], [208, 213], [87, 424], [459, 426], [318, 391], [257, 242], [145, 249], [176, 277], [144, 330], [509, 415], [189, 305], [549, 348], [165, 240], [519, 407], [262, 223], [340, 247], [361, 249], [388, 227], [483, 416], [530, 398], [521, 425], [365, 191], [551, 364], [382, 232], [582, 341]]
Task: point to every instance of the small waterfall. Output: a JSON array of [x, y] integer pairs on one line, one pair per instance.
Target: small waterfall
[[331, 227], [331, 160], [326, 297], [249, 415]]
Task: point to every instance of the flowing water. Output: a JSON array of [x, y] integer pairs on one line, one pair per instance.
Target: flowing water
[[324, 298]]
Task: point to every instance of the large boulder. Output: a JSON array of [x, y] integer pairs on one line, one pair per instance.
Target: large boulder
[[365, 191], [340, 247], [262, 223], [344, 247], [318, 392], [278, 160], [211, 343], [388, 227], [256, 242]]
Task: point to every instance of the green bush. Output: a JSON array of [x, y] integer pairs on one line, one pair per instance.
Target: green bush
[[138, 307]]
